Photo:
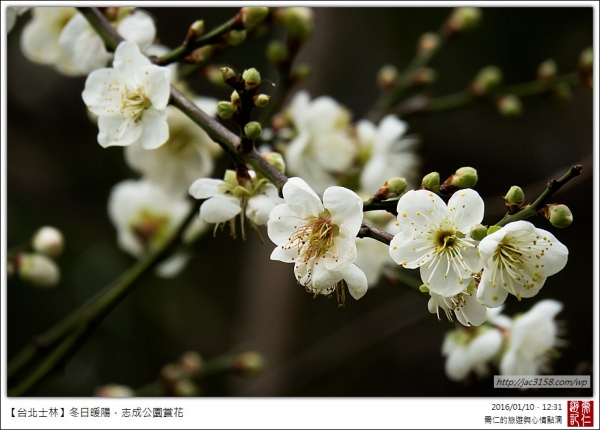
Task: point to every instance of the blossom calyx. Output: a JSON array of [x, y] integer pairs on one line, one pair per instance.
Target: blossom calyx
[[48, 241]]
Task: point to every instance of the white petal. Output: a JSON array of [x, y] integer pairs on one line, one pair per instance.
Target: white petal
[[467, 208], [343, 252], [128, 58], [356, 281], [173, 265], [556, 256], [472, 313], [156, 81], [407, 252], [220, 208], [138, 28], [439, 276], [258, 209], [345, 207], [390, 130], [285, 255], [485, 346], [422, 208], [155, 130], [205, 188], [489, 295], [116, 130], [283, 222], [366, 133], [101, 94], [294, 154], [333, 151], [458, 364], [323, 278], [301, 198]]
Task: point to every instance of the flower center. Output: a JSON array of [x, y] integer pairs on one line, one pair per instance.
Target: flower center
[[314, 238], [150, 229], [134, 102]]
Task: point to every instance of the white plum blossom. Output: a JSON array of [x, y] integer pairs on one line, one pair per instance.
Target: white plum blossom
[[385, 152], [129, 99], [464, 305], [39, 39], [517, 259], [253, 198], [323, 145], [318, 237], [533, 337], [468, 352], [12, 12], [187, 155], [79, 41], [435, 238], [145, 216]]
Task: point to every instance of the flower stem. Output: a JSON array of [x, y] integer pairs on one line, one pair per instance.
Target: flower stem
[[552, 187], [101, 25]]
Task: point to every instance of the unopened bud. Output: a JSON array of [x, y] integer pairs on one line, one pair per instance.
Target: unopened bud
[[301, 72], [393, 187], [114, 390], [194, 32], [489, 77], [387, 77], [478, 232], [235, 37], [562, 92], [200, 55], [38, 270], [235, 99], [251, 16], [514, 199], [276, 160], [48, 241], [431, 182], [463, 19], [428, 43], [253, 130], [225, 110], [424, 76], [465, 177], [261, 100], [546, 70], [298, 20], [185, 388], [249, 363], [228, 75], [190, 363], [277, 52], [251, 78], [509, 105], [560, 216]]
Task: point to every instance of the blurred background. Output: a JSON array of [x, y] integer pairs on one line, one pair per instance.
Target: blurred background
[[231, 295]]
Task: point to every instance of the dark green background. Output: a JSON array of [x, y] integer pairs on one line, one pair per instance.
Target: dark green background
[[231, 295]]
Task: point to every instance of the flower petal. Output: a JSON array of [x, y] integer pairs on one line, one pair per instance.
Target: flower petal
[[356, 281], [489, 295], [155, 130], [301, 198], [472, 313], [408, 249], [345, 207], [286, 255], [258, 208], [323, 278], [220, 208], [128, 59], [205, 188], [467, 208], [157, 83], [422, 208], [138, 28], [283, 222], [439, 276], [116, 130], [101, 93]]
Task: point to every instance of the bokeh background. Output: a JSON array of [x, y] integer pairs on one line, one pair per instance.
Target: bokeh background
[[231, 295]]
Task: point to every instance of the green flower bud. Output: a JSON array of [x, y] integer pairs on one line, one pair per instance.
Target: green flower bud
[[249, 363], [465, 177], [190, 363], [200, 55], [515, 197], [510, 105], [277, 52], [463, 19], [562, 92], [428, 43], [393, 187], [253, 130], [225, 110], [235, 37], [195, 31], [185, 388], [261, 100], [298, 20], [478, 232], [424, 76], [276, 160], [48, 241], [39, 270], [560, 216], [235, 99], [301, 72], [251, 78], [228, 75], [387, 77], [489, 77], [114, 390], [546, 70], [431, 182], [251, 16]]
